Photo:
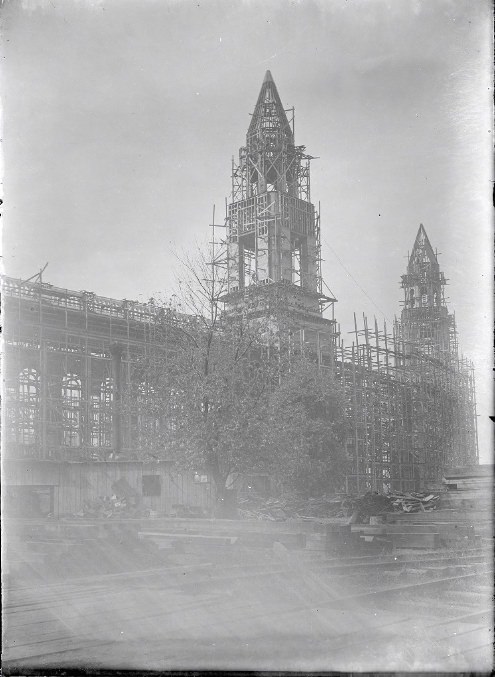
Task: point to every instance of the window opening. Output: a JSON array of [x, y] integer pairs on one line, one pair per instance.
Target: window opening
[[71, 410], [296, 263], [249, 263], [28, 406], [101, 415], [152, 485]]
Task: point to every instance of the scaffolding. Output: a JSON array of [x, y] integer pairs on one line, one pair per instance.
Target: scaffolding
[[273, 229], [69, 358], [410, 410], [409, 414], [410, 398]]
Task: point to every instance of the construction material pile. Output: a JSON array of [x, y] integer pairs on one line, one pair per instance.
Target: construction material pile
[[124, 502], [290, 507], [108, 507], [360, 508], [373, 504], [414, 501]]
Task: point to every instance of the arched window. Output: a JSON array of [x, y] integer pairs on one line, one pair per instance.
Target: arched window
[[101, 415], [29, 405], [71, 410]]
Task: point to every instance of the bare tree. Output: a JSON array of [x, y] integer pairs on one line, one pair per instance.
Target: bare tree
[[218, 396]]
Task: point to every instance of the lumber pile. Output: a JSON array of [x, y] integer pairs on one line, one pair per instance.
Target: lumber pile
[[477, 478], [414, 501]]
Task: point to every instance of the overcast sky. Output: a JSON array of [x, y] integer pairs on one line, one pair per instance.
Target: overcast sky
[[120, 119]]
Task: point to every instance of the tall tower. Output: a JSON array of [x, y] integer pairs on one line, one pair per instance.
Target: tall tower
[[425, 318], [273, 237]]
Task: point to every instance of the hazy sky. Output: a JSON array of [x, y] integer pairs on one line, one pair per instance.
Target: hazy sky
[[120, 119]]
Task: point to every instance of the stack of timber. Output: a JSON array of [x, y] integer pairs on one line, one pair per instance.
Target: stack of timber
[[478, 478], [465, 512], [191, 534], [470, 493]]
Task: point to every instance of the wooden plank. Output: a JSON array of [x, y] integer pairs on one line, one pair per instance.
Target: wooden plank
[[450, 528], [415, 540], [253, 538], [161, 537], [447, 515], [368, 530]]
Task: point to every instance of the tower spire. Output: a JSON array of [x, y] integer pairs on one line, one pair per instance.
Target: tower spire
[[273, 228], [425, 316], [422, 251], [269, 121]]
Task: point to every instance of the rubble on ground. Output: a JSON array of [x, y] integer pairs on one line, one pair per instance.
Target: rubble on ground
[[108, 507], [340, 505], [414, 501], [280, 509], [358, 508], [125, 502]]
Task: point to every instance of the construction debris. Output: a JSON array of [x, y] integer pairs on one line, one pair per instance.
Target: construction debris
[[108, 507], [414, 502], [293, 507], [358, 508]]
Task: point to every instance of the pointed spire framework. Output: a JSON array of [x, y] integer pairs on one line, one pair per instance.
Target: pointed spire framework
[[423, 260], [273, 230], [270, 160], [269, 124], [425, 317]]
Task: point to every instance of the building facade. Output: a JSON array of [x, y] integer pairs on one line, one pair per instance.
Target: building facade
[[70, 364], [69, 358]]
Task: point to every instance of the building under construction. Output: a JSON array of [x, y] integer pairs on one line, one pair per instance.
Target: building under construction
[[411, 406], [410, 396], [71, 368]]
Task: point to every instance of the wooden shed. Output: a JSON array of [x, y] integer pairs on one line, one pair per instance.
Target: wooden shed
[[35, 488]]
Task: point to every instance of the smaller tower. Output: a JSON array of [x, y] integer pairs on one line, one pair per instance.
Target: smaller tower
[[441, 411], [425, 318]]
